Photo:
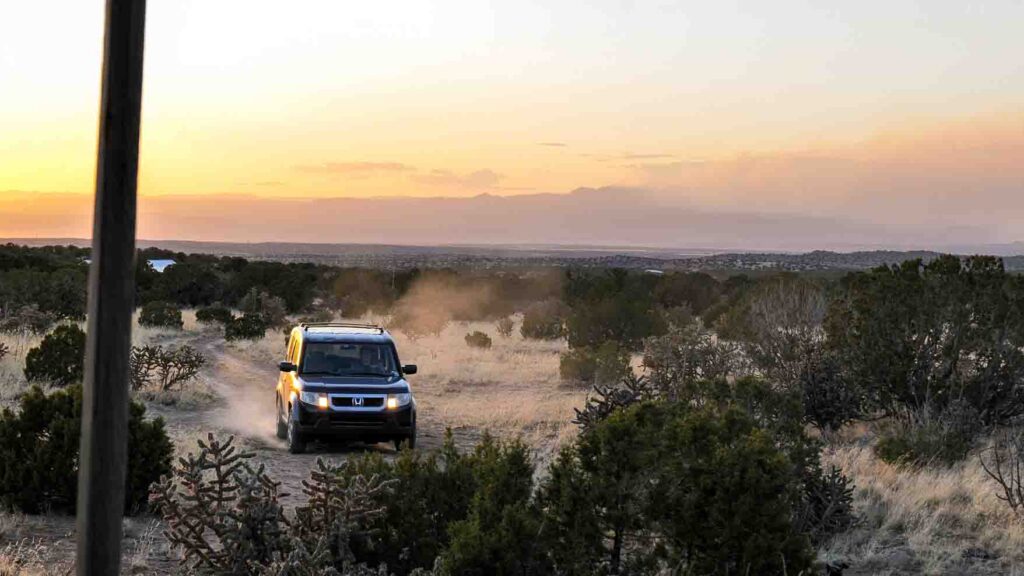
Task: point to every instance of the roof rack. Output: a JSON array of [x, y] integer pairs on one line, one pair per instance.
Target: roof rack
[[363, 325]]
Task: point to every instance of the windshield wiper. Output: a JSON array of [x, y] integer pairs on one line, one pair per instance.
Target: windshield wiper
[[382, 375]]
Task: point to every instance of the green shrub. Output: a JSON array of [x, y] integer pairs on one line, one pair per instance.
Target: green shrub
[[364, 511], [922, 336], [245, 327], [826, 505], [604, 365], [830, 400], [925, 437], [474, 511], [614, 304], [505, 326], [430, 491], [544, 321], [161, 315], [39, 453], [499, 533], [678, 317], [624, 318], [28, 320], [59, 358], [478, 339], [694, 290], [271, 308], [726, 503], [710, 486], [190, 282], [214, 314], [681, 359]]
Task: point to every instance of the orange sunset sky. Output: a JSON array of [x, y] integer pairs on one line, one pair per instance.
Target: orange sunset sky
[[897, 113]]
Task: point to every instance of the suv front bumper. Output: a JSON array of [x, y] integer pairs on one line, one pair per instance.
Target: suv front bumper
[[366, 425]]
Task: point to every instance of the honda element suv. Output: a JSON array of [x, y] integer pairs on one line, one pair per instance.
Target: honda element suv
[[344, 381]]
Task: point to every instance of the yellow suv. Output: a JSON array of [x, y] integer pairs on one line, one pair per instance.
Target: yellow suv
[[344, 381]]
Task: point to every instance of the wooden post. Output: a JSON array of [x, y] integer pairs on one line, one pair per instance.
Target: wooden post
[[104, 449]]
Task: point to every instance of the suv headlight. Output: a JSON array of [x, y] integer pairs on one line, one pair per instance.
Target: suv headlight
[[398, 400], [314, 398]]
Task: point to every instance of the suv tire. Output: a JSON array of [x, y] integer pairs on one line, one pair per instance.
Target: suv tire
[[282, 425], [409, 441], [296, 442]]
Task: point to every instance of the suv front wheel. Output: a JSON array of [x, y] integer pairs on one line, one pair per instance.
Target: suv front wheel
[[282, 425], [408, 441], [296, 441]]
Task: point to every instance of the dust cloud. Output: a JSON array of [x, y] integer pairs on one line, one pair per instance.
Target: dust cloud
[[434, 300]]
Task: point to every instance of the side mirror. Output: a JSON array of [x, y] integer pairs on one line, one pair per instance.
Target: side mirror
[[409, 369], [287, 366]]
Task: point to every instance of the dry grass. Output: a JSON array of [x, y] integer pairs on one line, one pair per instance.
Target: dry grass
[[10, 526], [12, 366], [931, 520], [511, 388], [193, 395], [25, 545], [141, 545], [22, 558], [186, 438], [44, 546], [146, 335]]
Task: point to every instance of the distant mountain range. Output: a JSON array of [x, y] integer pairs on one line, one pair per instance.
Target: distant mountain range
[[620, 217]]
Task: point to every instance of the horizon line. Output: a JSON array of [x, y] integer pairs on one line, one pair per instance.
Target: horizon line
[[693, 251]]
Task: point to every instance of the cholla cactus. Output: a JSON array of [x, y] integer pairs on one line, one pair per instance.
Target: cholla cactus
[[301, 562], [223, 513], [604, 400], [341, 507]]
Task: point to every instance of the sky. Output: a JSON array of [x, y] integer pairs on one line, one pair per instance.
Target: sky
[[893, 112]]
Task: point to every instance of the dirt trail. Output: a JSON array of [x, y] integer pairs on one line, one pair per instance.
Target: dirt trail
[[245, 409]]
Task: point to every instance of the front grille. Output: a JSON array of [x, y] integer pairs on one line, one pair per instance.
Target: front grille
[[347, 402], [356, 419]]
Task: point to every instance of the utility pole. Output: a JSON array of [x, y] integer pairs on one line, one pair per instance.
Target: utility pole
[[104, 450]]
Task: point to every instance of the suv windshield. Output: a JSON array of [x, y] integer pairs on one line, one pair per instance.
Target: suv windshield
[[348, 359]]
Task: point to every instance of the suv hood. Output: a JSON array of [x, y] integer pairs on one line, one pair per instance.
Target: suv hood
[[340, 383]]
